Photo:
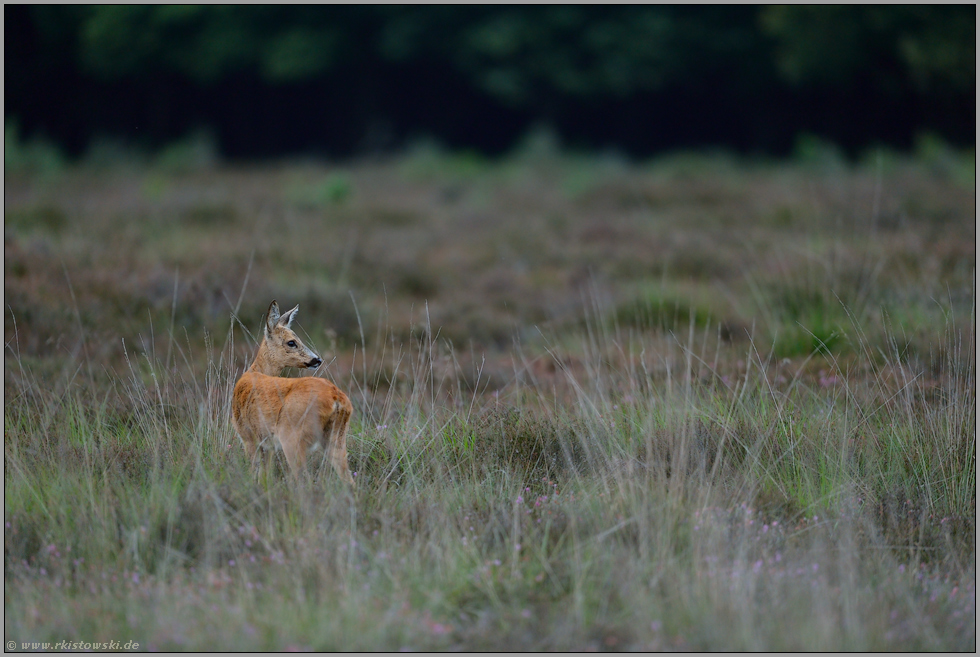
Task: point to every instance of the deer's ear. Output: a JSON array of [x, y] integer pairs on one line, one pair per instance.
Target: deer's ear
[[288, 317], [271, 317]]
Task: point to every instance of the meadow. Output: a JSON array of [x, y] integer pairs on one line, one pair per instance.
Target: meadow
[[705, 402]]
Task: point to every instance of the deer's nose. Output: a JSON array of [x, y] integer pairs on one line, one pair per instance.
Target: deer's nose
[[314, 363]]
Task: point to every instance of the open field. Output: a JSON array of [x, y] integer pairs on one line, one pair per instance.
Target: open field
[[701, 403]]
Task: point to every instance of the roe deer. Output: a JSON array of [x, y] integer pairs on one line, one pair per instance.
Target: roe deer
[[296, 414]]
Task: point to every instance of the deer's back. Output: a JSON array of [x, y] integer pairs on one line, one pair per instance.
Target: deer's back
[[267, 401]]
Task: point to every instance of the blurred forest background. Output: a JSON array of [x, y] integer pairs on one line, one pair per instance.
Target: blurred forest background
[[268, 81]]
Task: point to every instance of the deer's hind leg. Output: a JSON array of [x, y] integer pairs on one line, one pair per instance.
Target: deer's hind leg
[[256, 436], [295, 443], [335, 433], [261, 454], [250, 443]]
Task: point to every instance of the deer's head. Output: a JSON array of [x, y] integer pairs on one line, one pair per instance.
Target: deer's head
[[281, 347]]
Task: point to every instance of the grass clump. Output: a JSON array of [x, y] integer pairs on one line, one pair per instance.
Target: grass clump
[[37, 156]]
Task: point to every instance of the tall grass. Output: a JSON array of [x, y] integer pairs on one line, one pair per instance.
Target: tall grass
[[621, 492], [702, 404]]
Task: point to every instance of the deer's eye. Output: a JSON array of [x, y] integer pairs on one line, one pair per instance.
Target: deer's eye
[[292, 343]]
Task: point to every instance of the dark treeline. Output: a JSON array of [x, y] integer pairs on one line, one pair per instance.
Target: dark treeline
[[341, 80]]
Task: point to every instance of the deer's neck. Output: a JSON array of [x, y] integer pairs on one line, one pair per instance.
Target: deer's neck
[[263, 362]]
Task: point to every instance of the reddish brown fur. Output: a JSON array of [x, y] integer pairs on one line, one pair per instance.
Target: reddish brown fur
[[298, 414]]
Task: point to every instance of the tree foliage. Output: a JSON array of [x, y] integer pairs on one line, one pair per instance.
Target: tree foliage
[[512, 50], [930, 46], [542, 62]]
